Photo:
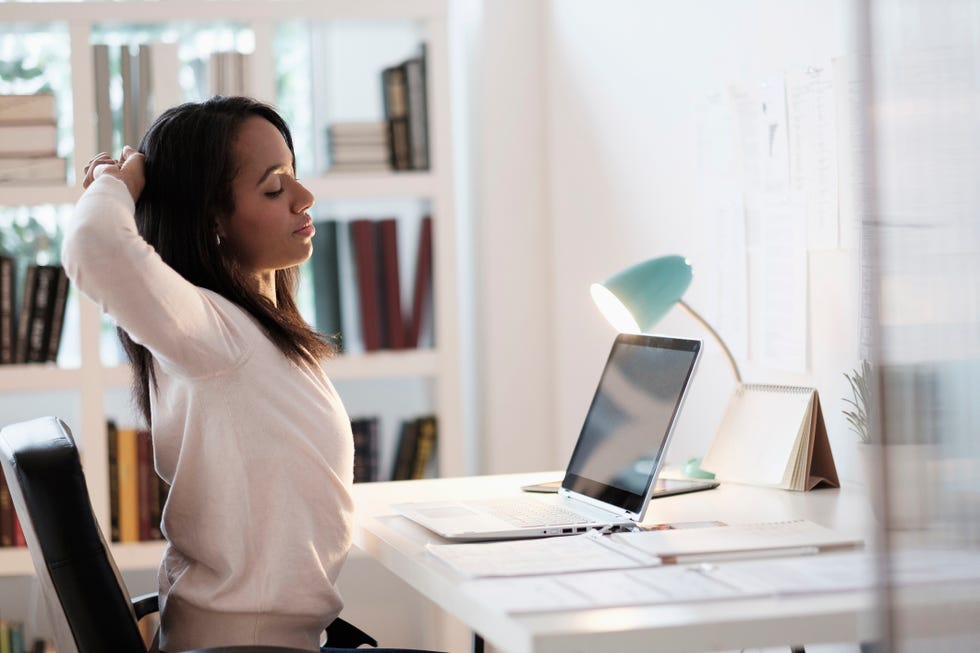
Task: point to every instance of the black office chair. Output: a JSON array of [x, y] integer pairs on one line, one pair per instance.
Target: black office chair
[[90, 608]]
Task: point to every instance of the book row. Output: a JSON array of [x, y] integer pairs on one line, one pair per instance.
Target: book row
[[149, 75], [136, 493], [12, 639], [414, 456], [29, 139], [30, 330], [369, 252]]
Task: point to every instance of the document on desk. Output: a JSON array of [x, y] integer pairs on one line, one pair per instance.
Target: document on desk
[[673, 584], [594, 552], [731, 580], [550, 555], [764, 539]]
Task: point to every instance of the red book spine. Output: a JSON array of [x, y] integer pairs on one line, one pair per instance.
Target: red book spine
[[395, 320], [19, 539], [364, 237]]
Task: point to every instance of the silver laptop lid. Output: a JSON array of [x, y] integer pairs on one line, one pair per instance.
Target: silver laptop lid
[[627, 429]]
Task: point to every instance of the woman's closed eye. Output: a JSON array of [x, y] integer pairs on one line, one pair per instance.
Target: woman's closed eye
[[275, 193]]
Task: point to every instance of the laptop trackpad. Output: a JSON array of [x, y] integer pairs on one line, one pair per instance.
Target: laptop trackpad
[[447, 512]]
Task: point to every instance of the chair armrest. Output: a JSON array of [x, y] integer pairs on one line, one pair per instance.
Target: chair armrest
[[249, 649], [145, 604], [343, 634]]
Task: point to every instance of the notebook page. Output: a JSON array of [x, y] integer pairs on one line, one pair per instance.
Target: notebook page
[[757, 436]]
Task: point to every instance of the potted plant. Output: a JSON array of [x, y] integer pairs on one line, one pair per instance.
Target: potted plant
[[908, 450]]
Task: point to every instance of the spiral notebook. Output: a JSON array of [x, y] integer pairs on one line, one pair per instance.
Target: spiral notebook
[[774, 436]]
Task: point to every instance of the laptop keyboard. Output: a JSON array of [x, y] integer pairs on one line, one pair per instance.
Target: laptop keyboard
[[528, 512]]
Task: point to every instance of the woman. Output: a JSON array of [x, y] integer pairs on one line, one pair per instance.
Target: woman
[[192, 244]]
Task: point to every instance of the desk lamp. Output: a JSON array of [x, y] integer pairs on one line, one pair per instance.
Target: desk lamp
[[636, 298]]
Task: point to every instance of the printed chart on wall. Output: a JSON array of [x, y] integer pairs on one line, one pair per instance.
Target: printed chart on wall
[[769, 161]]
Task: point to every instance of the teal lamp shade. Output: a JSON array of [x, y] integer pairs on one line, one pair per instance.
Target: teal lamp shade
[[638, 297]]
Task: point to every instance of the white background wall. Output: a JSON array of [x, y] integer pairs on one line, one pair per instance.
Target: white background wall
[[610, 92]]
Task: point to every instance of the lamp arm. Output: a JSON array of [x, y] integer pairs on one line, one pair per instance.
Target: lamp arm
[[714, 334]]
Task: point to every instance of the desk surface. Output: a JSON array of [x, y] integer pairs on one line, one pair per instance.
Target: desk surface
[[400, 546]]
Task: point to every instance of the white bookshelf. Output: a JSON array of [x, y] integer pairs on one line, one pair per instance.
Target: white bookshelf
[[91, 381]]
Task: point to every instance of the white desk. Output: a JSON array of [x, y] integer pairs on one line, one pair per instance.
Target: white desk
[[848, 616]]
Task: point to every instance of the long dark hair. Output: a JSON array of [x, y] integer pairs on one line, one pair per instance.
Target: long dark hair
[[189, 171]]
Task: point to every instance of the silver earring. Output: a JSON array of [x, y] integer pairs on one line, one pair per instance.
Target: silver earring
[[217, 238]]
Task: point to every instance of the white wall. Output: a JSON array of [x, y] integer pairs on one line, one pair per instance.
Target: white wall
[[619, 90]]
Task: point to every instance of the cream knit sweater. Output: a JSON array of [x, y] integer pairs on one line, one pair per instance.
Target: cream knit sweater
[[258, 450]]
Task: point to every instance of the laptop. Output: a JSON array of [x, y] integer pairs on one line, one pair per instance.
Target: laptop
[[613, 469]]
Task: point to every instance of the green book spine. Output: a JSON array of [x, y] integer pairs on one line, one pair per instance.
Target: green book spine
[[326, 280]]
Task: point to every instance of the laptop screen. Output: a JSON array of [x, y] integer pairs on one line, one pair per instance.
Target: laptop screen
[[627, 428]]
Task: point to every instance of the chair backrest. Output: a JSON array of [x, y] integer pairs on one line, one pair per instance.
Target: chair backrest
[[88, 602]]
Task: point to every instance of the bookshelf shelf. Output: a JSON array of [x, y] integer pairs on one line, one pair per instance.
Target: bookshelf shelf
[[33, 195], [94, 386], [341, 185], [385, 364], [15, 562], [38, 377]]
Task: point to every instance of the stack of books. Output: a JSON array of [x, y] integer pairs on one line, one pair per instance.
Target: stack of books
[[358, 147], [29, 140]]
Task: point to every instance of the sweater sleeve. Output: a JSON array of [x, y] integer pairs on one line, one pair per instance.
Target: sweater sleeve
[[107, 260]]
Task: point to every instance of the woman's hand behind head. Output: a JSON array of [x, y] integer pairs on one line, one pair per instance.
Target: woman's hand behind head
[[128, 169]]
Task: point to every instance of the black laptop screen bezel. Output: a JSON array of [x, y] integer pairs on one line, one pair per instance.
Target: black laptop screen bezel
[[627, 501]]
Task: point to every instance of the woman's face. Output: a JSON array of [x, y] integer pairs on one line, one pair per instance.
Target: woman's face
[[271, 228]]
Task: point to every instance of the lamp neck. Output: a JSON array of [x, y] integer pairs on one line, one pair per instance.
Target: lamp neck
[[714, 334]]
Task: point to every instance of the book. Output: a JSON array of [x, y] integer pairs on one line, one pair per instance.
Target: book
[[112, 445], [103, 106], [4, 636], [145, 481], [365, 430], [127, 470], [6, 514], [129, 73], [24, 313], [19, 538], [8, 294], [773, 436], [422, 291], [404, 460], [144, 84], [24, 140], [32, 169], [16, 637], [418, 118], [58, 305], [364, 244], [39, 328], [425, 447], [394, 92], [416, 448], [391, 283], [326, 280], [27, 107]]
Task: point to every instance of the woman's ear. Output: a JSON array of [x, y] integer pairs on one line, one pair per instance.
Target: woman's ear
[[219, 230]]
